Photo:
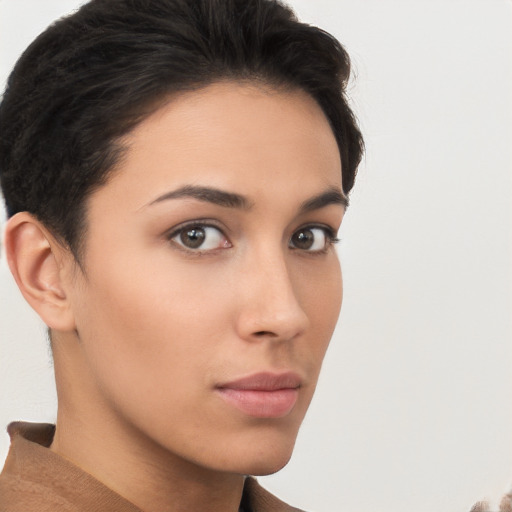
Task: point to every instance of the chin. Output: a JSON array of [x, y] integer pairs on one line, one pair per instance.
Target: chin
[[266, 460], [267, 468], [264, 449]]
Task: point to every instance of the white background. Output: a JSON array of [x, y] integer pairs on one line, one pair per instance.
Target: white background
[[414, 407]]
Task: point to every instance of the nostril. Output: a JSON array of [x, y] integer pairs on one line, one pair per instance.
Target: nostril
[[265, 333]]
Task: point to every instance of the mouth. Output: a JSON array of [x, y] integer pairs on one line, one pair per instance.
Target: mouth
[[263, 395]]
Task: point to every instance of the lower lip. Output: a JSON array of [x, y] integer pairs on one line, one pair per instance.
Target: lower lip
[[261, 404]]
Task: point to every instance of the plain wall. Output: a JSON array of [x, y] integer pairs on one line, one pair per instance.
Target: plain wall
[[413, 409]]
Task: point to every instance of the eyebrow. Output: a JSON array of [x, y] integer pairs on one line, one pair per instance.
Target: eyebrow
[[231, 200], [207, 194], [333, 195]]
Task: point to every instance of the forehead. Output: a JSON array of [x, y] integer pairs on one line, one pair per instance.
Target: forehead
[[238, 136]]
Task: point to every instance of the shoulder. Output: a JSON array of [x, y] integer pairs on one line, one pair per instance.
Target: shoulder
[[17, 495]]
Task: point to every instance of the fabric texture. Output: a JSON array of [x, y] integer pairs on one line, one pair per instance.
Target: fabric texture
[[35, 479]]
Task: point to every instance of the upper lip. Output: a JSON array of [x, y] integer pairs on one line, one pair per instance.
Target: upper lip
[[265, 381]]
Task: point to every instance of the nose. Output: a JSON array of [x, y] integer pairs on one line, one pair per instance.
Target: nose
[[270, 307]]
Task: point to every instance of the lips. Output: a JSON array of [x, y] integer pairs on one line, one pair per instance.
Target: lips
[[262, 395]]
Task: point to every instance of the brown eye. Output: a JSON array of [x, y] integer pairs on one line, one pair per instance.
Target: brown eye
[[312, 239], [192, 237], [200, 237], [303, 239]]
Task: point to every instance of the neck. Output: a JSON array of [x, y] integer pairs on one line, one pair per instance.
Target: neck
[[143, 474], [93, 436]]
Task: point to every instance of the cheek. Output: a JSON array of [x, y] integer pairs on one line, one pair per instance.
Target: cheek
[[148, 328], [321, 294], [320, 297]]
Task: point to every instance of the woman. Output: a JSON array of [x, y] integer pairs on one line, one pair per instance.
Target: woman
[[175, 173]]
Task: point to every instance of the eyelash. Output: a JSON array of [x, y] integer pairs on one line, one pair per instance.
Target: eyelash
[[329, 233]]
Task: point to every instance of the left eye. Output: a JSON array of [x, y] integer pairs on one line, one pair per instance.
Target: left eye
[[203, 238], [313, 239]]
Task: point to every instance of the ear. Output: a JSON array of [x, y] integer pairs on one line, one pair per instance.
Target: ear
[[40, 266]]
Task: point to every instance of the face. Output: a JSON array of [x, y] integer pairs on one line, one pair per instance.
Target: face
[[211, 286]]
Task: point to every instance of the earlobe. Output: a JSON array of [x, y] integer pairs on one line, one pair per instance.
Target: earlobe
[[35, 258]]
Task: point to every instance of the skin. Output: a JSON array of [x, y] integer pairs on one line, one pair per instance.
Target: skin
[[146, 330]]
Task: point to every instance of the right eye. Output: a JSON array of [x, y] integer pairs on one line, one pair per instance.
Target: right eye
[[200, 237]]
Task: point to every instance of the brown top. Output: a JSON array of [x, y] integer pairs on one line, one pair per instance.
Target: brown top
[[35, 479]]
